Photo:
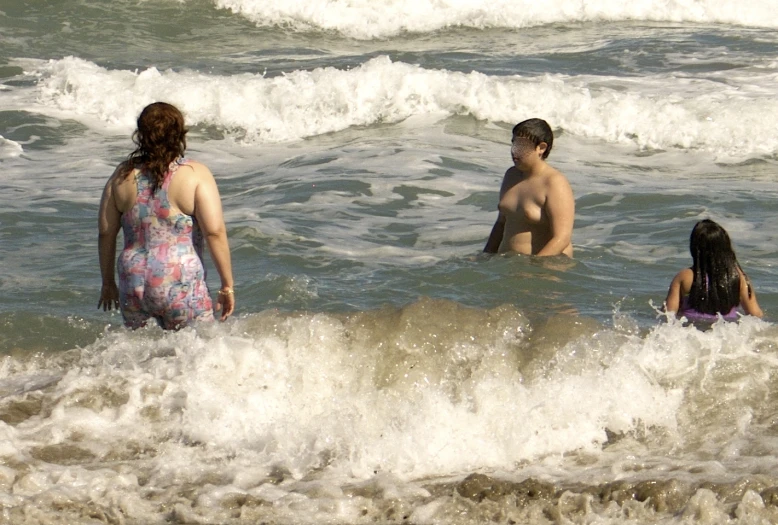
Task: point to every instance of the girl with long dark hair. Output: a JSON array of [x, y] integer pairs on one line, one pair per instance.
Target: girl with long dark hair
[[715, 285]]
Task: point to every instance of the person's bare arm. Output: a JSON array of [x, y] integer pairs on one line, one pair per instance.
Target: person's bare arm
[[673, 300], [748, 297], [560, 209], [495, 237], [498, 230], [210, 217], [108, 225]]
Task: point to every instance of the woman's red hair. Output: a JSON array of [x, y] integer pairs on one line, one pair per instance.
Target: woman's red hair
[[160, 139]]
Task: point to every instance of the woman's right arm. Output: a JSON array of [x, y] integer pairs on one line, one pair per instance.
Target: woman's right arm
[[495, 237], [108, 225], [748, 297], [498, 230]]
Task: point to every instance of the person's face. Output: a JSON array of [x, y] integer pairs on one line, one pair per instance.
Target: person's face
[[522, 149]]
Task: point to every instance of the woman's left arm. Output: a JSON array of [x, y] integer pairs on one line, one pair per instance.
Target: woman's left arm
[[560, 209], [673, 299], [210, 217]]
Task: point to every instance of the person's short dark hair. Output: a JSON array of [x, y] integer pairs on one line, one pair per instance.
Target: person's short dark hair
[[537, 130]]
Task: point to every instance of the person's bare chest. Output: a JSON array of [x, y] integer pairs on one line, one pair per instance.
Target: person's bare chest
[[523, 201]]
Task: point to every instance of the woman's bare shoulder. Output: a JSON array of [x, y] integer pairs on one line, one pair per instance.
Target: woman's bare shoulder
[[198, 168], [120, 173], [686, 278], [685, 275]]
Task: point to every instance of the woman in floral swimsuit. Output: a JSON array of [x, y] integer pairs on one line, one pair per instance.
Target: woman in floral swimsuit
[[165, 205]]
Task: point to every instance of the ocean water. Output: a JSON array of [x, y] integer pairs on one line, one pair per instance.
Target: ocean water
[[380, 368]]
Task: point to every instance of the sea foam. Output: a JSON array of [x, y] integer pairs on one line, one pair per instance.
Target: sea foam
[[366, 19], [659, 112], [9, 148], [274, 406]]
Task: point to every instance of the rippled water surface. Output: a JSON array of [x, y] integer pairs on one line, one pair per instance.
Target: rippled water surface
[[380, 368]]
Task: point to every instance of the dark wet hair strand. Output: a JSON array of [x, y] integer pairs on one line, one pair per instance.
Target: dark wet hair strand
[[160, 139], [716, 284]]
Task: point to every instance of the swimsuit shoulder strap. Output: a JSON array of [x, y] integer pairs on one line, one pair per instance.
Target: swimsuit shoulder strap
[[142, 182], [172, 170]]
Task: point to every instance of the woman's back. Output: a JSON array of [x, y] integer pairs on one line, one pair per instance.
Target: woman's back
[[162, 215], [161, 272], [678, 299], [153, 220]]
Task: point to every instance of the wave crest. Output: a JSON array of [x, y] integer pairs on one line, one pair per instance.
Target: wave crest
[[659, 112], [368, 19]]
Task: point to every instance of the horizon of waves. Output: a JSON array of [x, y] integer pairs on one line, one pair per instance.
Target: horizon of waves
[[653, 113], [365, 19]]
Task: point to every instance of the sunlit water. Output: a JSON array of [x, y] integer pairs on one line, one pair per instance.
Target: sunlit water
[[380, 368]]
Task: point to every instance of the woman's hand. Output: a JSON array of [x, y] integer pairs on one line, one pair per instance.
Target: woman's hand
[[109, 297], [225, 302]]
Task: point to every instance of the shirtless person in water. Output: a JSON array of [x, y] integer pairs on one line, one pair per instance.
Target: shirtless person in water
[[536, 208]]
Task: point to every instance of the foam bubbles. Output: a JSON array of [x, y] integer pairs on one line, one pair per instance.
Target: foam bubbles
[[365, 19], [320, 414], [9, 149], [656, 113]]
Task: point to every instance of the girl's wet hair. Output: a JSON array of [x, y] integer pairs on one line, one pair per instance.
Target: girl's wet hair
[[716, 285], [537, 130], [160, 138]]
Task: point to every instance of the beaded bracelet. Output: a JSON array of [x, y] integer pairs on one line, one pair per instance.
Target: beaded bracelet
[[226, 291]]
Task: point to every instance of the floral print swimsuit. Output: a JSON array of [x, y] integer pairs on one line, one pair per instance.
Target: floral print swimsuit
[[161, 272]]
